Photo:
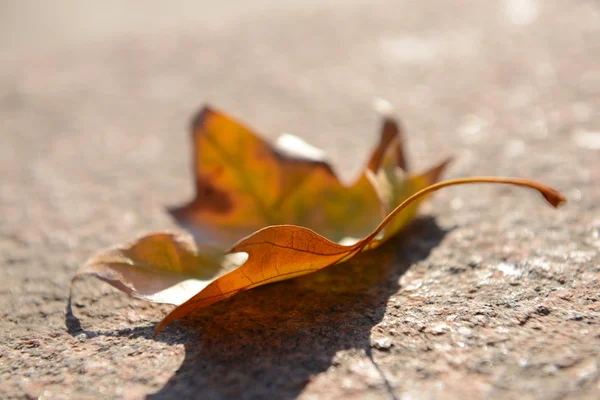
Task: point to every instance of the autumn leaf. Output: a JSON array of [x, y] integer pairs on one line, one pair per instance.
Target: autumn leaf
[[244, 183], [161, 267], [279, 196], [283, 252]]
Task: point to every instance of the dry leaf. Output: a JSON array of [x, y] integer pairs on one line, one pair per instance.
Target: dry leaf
[[284, 196], [283, 252], [244, 183], [161, 267]]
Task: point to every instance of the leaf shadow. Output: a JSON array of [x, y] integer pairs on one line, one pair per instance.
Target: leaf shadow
[[270, 341]]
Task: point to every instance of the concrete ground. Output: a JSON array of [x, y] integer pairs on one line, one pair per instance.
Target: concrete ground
[[493, 295]]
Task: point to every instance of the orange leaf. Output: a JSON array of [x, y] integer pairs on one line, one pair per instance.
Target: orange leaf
[[284, 193], [282, 252], [244, 184]]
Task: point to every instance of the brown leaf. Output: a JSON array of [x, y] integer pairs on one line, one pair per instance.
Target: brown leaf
[[161, 267], [282, 252], [284, 196], [244, 183]]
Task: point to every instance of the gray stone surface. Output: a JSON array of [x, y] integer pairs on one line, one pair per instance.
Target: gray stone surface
[[494, 295]]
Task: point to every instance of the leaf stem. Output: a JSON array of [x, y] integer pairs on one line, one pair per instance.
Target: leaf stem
[[552, 196]]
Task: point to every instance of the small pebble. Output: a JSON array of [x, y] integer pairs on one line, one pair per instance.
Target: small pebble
[[382, 344], [463, 330], [440, 329]]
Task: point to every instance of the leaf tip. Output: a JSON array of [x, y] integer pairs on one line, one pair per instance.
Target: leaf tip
[[199, 118], [156, 332], [161, 325], [554, 197], [434, 174]]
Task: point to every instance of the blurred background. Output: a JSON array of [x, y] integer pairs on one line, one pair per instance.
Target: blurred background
[[490, 82], [313, 68], [32, 25]]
